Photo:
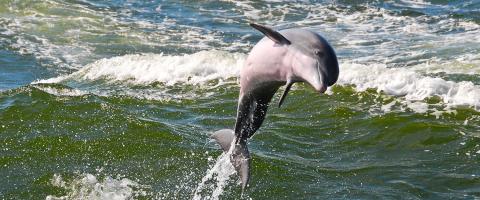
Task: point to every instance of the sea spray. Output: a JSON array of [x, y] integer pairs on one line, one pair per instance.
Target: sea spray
[[220, 174], [89, 186]]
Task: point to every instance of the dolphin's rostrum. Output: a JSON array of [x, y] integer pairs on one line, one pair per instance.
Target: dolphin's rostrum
[[280, 58]]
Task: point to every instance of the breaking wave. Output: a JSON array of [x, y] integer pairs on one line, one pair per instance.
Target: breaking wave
[[205, 66]]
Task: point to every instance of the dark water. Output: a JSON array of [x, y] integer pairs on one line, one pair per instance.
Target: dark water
[[116, 100]]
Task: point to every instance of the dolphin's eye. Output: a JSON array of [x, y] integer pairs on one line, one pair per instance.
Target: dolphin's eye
[[319, 53]]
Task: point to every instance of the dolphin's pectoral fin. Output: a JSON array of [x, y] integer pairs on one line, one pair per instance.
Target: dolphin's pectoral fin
[[224, 138], [287, 89], [240, 159], [272, 34]]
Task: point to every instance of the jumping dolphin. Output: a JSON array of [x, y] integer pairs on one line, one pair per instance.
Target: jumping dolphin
[[281, 58]]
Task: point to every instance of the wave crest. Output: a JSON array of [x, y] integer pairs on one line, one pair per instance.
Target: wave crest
[[146, 69]]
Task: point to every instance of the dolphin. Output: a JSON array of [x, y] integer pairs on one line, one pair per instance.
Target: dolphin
[[281, 58]]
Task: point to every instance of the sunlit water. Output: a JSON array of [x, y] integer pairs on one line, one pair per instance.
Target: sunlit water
[[116, 100]]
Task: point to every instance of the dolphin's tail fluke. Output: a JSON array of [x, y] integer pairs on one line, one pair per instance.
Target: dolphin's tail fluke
[[240, 157], [224, 138]]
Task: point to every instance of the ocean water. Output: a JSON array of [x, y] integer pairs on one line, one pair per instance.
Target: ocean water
[[117, 99]]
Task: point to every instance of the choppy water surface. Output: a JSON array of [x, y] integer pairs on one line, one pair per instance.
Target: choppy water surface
[[116, 100]]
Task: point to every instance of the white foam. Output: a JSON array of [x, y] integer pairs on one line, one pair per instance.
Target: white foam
[[388, 107], [193, 69], [409, 84], [87, 186], [464, 64], [418, 107]]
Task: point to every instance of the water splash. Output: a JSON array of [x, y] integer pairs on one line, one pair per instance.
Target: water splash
[[87, 186], [220, 174]]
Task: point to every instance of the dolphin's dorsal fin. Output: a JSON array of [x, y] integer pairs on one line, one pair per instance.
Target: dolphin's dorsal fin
[[272, 34], [287, 89]]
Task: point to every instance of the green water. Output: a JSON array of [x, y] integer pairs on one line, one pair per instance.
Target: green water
[[117, 100], [333, 146]]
